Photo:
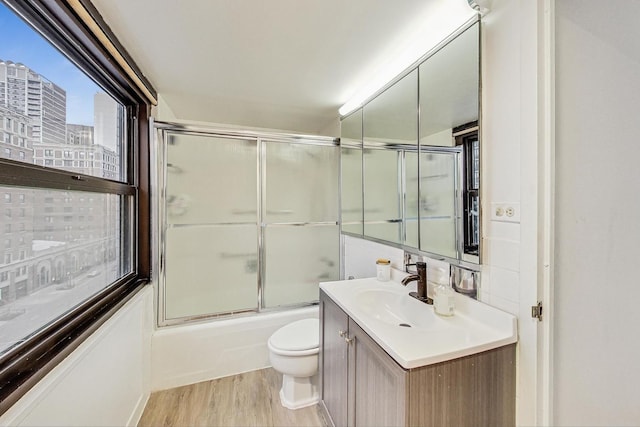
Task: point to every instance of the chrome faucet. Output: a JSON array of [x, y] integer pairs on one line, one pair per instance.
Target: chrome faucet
[[421, 277]]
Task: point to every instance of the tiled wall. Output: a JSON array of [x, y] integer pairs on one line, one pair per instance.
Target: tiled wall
[[500, 285]]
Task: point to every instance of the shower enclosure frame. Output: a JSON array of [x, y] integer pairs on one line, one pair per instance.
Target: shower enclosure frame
[[160, 131]]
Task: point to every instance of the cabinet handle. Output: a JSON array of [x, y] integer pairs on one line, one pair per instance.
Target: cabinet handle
[[345, 335]]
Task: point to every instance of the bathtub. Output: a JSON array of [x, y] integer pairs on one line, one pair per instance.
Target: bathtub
[[188, 354]]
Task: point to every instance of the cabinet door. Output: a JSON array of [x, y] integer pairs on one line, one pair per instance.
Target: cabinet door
[[333, 359], [377, 382]]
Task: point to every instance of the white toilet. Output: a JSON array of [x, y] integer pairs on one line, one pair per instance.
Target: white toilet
[[293, 351]]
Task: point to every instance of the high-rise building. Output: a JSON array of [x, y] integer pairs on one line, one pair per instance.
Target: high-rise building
[[16, 227], [53, 236], [45, 103], [108, 121], [79, 134]]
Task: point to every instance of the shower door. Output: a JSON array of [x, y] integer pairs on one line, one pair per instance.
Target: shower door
[[211, 233], [246, 223], [300, 220]]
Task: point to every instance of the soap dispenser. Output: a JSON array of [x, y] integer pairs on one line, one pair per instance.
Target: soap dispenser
[[444, 300]]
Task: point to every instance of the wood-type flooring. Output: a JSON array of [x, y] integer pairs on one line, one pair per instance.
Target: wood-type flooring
[[244, 400]]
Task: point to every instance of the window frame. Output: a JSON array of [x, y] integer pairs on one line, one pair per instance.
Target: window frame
[[59, 21], [466, 135]]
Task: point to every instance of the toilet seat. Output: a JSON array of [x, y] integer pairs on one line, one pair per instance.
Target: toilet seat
[[299, 338]]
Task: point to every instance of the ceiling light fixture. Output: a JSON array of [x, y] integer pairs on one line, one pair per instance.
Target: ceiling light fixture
[[439, 21]]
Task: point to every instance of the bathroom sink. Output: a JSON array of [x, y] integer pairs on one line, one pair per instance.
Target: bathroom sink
[[410, 331], [393, 308]]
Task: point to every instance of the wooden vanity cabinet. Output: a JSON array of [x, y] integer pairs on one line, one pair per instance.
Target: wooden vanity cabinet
[[334, 362], [361, 385]]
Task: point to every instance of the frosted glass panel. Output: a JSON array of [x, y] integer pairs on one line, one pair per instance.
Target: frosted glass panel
[[352, 190], [301, 182], [211, 180], [210, 269], [437, 203], [381, 194], [297, 260], [411, 199]]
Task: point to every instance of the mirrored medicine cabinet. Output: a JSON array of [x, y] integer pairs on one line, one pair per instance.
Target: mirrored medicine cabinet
[[410, 157]]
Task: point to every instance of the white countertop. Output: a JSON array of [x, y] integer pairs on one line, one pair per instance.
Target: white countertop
[[379, 307]]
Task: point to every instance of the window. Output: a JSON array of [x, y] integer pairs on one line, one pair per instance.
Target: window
[[119, 242], [468, 139]]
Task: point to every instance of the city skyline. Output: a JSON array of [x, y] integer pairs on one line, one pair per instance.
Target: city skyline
[[31, 49]]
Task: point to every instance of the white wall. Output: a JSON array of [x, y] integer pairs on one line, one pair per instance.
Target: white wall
[[360, 257], [104, 382], [596, 342], [163, 110]]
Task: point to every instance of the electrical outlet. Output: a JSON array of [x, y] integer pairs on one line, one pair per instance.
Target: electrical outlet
[[505, 212]]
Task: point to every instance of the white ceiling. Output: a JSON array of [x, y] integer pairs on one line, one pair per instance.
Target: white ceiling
[[282, 64]]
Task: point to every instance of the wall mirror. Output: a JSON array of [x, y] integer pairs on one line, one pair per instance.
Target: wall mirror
[[419, 168], [351, 173], [390, 129], [449, 112]]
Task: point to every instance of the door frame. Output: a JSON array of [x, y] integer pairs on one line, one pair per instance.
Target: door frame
[[546, 200]]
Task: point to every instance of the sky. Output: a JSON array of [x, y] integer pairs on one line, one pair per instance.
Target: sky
[[20, 43]]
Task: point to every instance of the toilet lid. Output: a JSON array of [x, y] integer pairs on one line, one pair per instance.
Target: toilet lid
[[297, 336]]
